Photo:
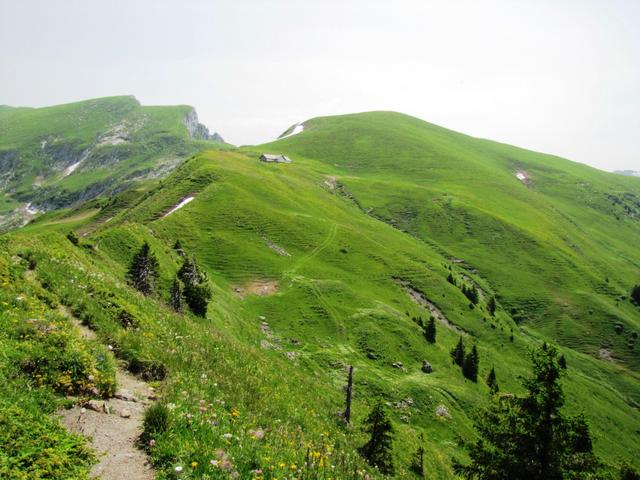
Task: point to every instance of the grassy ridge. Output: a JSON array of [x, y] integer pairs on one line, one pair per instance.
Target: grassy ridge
[[327, 235], [559, 250]]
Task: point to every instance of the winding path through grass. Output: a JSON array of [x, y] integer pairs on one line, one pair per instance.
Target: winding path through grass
[[114, 425]]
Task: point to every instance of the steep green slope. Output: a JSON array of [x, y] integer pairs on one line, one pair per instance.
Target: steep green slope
[[558, 245], [306, 283], [56, 156]]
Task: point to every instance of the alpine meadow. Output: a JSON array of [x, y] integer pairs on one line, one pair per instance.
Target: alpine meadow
[[241, 291], [233, 246]]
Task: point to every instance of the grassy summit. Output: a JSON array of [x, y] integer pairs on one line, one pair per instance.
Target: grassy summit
[[331, 261], [558, 245]]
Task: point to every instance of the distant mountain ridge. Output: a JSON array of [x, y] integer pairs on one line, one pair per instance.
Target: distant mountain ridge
[[628, 173], [54, 157]]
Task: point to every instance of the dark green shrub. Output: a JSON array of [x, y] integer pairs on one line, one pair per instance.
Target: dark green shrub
[[72, 237], [635, 294]]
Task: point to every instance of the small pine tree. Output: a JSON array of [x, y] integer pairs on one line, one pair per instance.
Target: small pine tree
[[562, 362], [189, 273], [492, 382], [178, 248], [175, 296], [197, 292], [471, 293], [470, 365], [457, 354], [635, 294], [377, 451], [491, 305], [450, 279], [430, 330], [417, 462], [143, 271]]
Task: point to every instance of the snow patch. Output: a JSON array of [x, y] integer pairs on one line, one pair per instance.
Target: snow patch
[[31, 210], [299, 127], [72, 168], [524, 177], [181, 204]]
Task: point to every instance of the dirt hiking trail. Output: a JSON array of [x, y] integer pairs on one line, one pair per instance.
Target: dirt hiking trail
[[113, 426]]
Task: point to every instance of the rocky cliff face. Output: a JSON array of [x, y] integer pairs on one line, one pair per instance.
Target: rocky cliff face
[[197, 130]]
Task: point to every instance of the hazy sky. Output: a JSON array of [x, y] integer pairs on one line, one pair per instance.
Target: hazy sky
[[556, 76]]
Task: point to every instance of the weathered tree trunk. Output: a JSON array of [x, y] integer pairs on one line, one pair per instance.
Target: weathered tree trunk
[[347, 410]]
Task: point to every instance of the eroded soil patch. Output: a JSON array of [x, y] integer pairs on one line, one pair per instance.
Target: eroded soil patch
[[420, 298], [261, 288]]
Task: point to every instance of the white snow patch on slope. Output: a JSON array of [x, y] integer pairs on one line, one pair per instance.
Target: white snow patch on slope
[[31, 210], [297, 129], [181, 204], [72, 168]]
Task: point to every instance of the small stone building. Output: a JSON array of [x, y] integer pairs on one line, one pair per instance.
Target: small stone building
[[270, 158]]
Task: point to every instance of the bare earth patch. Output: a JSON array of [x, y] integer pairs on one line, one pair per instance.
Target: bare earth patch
[[420, 299], [261, 288], [606, 354]]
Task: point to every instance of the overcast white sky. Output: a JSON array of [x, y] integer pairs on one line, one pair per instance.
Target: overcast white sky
[[556, 76]]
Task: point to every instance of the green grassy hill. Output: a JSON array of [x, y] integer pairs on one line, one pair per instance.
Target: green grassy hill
[[328, 262], [57, 156], [559, 247]]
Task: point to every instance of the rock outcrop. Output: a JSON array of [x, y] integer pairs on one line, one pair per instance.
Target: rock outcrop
[[197, 130], [426, 367]]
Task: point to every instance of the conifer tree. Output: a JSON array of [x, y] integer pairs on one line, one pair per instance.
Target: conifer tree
[[491, 305], [430, 330], [143, 271], [562, 362], [471, 364], [450, 279], [377, 451], [471, 293], [417, 462], [175, 297], [178, 248], [197, 292], [457, 354], [529, 438], [492, 382]]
